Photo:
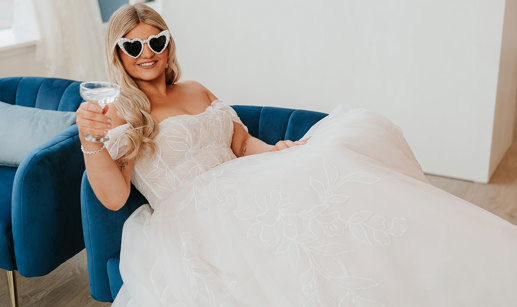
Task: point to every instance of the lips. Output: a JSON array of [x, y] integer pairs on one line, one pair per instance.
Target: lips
[[148, 64]]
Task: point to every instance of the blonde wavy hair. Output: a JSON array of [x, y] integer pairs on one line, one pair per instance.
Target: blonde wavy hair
[[133, 105]]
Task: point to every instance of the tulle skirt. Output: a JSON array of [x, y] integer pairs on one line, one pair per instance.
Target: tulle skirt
[[347, 219]]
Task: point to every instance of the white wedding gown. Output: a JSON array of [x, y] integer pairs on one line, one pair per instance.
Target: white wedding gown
[[347, 219]]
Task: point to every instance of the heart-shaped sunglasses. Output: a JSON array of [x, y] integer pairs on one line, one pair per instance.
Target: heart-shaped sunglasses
[[134, 47]]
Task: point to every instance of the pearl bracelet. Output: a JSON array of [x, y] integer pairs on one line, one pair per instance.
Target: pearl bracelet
[[92, 152]]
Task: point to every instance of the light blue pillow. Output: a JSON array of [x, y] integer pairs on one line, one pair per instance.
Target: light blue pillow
[[22, 129]]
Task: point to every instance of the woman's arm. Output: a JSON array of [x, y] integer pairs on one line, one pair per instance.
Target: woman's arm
[[109, 180], [243, 144]]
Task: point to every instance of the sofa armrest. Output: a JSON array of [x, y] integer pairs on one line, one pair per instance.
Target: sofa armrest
[[46, 220], [102, 230]]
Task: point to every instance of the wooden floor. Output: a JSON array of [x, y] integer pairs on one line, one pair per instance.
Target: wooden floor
[[68, 284], [499, 196], [65, 286]]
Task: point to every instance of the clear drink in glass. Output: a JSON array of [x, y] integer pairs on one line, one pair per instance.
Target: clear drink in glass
[[102, 93]]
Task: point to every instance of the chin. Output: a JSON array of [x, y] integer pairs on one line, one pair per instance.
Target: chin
[[147, 75]]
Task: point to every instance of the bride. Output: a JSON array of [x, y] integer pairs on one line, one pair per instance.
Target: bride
[[342, 217]]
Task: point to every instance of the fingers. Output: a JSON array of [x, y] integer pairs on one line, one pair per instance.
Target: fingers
[[287, 144], [95, 132], [91, 119], [90, 106], [93, 124]]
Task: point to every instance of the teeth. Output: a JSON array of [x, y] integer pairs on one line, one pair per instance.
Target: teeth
[[147, 64]]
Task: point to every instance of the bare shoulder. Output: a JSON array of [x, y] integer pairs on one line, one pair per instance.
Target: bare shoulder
[[112, 113], [197, 86], [193, 84]]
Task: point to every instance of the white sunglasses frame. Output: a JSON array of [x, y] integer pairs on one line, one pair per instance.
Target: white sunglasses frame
[[123, 40]]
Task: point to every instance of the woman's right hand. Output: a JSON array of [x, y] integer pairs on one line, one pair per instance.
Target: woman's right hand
[[287, 143], [91, 119], [110, 179]]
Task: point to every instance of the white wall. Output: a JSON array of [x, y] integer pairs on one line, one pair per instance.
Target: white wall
[[21, 59], [431, 66]]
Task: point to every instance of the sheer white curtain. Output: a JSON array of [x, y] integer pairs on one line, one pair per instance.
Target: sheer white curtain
[[71, 39]]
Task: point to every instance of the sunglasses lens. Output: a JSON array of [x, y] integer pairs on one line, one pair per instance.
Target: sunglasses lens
[[132, 48], [157, 44]]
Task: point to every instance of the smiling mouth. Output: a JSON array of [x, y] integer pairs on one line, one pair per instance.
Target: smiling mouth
[[147, 64]]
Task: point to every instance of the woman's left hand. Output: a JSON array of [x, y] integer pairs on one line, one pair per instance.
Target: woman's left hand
[[287, 143]]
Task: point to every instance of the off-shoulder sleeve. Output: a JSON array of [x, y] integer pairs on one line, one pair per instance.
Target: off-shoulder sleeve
[[232, 113], [117, 145]]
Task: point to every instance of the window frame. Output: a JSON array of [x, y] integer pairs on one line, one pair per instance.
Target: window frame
[[23, 35]]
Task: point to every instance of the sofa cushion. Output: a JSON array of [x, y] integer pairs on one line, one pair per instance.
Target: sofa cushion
[[6, 237], [24, 128]]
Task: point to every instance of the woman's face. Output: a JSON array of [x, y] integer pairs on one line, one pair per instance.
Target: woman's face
[[134, 66]]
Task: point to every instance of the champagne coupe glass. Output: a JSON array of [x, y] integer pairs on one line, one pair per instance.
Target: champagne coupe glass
[[102, 93]]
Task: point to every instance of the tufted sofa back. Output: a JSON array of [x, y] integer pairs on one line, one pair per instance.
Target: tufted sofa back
[[43, 93]]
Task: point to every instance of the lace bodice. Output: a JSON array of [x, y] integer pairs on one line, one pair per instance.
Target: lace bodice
[[187, 145]]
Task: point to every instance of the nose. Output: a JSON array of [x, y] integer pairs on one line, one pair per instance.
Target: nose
[[147, 53]]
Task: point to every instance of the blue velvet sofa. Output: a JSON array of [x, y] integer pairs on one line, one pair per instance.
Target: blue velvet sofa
[[102, 228], [40, 215]]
